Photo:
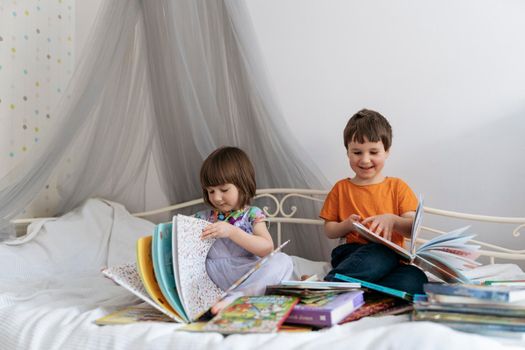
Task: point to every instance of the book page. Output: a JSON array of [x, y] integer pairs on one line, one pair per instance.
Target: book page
[[372, 237], [416, 225], [197, 291], [127, 276]]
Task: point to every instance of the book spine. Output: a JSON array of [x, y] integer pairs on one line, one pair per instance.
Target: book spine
[[376, 287], [505, 283]]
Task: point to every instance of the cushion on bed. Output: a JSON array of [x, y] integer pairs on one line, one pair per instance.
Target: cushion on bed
[[96, 234]]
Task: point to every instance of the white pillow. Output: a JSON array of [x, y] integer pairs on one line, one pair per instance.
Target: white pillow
[[94, 235], [127, 229]]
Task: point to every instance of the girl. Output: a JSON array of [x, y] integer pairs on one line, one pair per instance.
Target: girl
[[228, 185]]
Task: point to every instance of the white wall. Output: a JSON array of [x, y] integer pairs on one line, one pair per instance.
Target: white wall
[[450, 76]]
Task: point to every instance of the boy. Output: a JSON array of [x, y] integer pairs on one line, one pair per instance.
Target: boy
[[385, 204]]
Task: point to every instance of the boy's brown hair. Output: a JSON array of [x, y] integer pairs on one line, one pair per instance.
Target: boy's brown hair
[[229, 165], [370, 125]]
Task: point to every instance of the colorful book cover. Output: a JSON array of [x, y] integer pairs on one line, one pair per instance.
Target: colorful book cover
[[163, 266], [132, 314], [501, 294], [328, 311], [376, 287], [253, 314], [147, 275]]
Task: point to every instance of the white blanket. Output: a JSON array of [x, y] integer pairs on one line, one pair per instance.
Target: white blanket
[[51, 291]]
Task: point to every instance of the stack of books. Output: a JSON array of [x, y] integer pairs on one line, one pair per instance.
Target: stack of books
[[322, 304], [474, 308]]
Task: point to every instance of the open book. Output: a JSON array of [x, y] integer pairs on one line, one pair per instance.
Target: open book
[[170, 271], [443, 256]]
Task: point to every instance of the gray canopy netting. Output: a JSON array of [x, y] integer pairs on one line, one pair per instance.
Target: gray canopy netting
[[162, 84]]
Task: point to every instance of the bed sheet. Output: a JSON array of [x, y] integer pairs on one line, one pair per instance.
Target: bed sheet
[[59, 314], [51, 291]]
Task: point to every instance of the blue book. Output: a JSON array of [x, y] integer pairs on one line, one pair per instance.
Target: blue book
[[477, 293], [376, 287], [163, 266]]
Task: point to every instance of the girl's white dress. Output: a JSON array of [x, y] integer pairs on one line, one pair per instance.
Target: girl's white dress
[[227, 261]]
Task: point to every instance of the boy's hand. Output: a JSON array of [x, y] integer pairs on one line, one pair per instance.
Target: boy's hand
[[381, 225], [218, 229], [350, 220]]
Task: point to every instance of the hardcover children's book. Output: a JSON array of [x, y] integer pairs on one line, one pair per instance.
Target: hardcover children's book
[[179, 287], [147, 275], [327, 311], [131, 314], [496, 309], [373, 306], [379, 304], [311, 292], [443, 256], [516, 324], [477, 293], [253, 314]]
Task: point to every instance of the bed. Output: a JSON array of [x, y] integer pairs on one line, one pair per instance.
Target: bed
[[51, 288]]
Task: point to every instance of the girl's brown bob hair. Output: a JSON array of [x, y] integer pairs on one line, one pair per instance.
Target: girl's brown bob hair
[[229, 165]]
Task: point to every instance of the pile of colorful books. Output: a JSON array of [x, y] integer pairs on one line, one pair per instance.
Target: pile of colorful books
[[474, 308], [322, 304], [325, 304]]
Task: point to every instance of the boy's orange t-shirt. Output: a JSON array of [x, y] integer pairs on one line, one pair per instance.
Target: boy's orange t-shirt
[[392, 196]]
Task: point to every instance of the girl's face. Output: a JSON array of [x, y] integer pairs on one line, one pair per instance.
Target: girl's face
[[224, 197], [367, 161]]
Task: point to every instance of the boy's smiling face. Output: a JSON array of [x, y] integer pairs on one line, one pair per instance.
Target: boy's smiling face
[[367, 161]]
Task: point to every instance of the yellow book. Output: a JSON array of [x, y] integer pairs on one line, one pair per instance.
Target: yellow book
[[147, 274], [136, 313]]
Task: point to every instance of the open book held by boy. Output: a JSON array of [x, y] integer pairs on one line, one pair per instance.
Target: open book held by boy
[[375, 214]]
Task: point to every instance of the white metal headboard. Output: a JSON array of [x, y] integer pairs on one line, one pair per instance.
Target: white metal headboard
[[280, 212]]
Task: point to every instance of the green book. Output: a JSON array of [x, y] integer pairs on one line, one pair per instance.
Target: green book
[[253, 314]]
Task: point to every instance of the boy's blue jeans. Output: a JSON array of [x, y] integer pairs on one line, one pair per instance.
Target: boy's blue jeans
[[376, 263]]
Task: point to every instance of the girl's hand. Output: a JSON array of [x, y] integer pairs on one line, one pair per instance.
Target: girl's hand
[[381, 225], [219, 229]]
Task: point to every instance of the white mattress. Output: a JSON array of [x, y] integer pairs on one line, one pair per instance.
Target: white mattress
[[51, 291]]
